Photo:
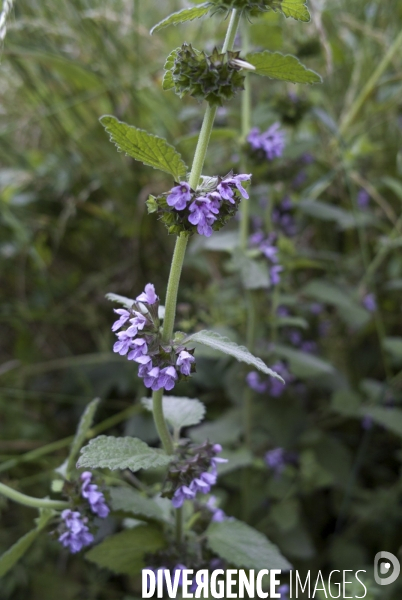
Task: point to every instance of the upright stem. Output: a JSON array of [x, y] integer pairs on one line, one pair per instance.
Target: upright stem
[[178, 258], [245, 128], [30, 501]]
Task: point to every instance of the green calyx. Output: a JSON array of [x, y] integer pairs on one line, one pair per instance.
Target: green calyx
[[215, 78]]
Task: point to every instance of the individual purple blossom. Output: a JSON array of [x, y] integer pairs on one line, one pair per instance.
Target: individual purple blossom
[[124, 317], [254, 381], [225, 188], [369, 302], [148, 295], [140, 348], [96, 499], [218, 514], [282, 311], [123, 345], [151, 378], [256, 238], [137, 324], [181, 494], [274, 274], [276, 460], [295, 337], [269, 250], [284, 591], [363, 198], [203, 212], [184, 361], [179, 196], [77, 534], [167, 378]]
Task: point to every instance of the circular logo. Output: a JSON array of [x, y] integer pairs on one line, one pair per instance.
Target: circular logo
[[381, 569]]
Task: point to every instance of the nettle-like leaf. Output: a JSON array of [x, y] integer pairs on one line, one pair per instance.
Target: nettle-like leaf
[[128, 500], [281, 66], [182, 16], [180, 412], [124, 552], [123, 300], [17, 550], [84, 425], [223, 344], [168, 82], [145, 147], [296, 9], [108, 452], [243, 546]]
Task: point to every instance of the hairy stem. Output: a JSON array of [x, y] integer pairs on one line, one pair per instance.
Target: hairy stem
[[30, 501], [178, 259]]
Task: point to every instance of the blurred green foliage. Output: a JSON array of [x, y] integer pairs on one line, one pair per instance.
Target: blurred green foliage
[[74, 226]]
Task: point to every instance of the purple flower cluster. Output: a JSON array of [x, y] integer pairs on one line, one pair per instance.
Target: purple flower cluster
[[204, 206], [296, 339], [273, 387], [202, 483], [95, 498], [277, 459], [271, 142], [76, 534], [140, 343], [267, 247], [282, 217]]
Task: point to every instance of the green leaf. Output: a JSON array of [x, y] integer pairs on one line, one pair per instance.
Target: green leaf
[[327, 212], [236, 460], [390, 418], [350, 311], [126, 302], [223, 344], [129, 500], [187, 14], [243, 546], [179, 412], [393, 345], [254, 274], [282, 66], [17, 551], [149, 149], [291, 321], [80, 436], [124, 552], [302, 364], [224, 430], [108, 452], [296, 9], [168, 82]]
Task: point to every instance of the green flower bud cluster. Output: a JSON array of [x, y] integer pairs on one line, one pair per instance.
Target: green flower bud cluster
[[215, 77]]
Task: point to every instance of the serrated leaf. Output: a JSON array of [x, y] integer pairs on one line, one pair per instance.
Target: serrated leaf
[[179, 412], [17, 550], [303, 364], [108, 452], [80, 436], [126, 302], [243, 546], [129, 500], [149, 149], [187, 14], [124, 552], [167, 82], [226, 346], [282, 66], [296, 9]]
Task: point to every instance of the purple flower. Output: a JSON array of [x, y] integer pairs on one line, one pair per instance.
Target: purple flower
[[123, 345], [272, 141], [77, 534], [145, 367], [363, 198], [270, 251], [295, 337], [256, 238], [254, 382], [276, 460], [167, 378], [284, 591], [140, 348], [148, 296], [181, 494], [151, 378], [225, 188], [276, 387], [274, 274], [282, 311], [217, 513], [203, 212], [369, 302], [179, 196], [184, 361], [137, 324], [124, 317], [367, 422], [308, 346], [96, 499], [316, 308]]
